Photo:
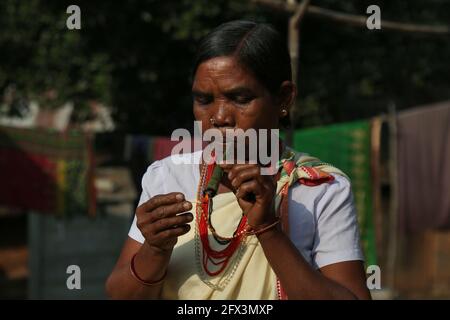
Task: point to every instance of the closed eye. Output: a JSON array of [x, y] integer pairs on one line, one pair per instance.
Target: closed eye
[[240, 96], [202, 98], [242, 99]]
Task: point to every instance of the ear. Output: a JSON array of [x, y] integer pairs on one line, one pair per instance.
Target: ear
[[286, 97]]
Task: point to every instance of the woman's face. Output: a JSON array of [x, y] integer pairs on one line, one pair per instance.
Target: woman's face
[[230, 95]]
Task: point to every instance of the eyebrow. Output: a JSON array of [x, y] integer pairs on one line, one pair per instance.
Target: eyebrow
[[200, 93], [232, 91]]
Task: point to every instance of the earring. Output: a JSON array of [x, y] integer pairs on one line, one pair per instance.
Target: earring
[[212, 120], [284, 112]]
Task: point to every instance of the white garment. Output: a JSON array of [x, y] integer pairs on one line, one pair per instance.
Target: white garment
[[322, 219]]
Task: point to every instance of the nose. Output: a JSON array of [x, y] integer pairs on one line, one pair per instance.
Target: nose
[[223, 116]]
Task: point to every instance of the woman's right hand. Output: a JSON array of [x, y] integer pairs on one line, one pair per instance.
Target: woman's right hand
[[162, 219]]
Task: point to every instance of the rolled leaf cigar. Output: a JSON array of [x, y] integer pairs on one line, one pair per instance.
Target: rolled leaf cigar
[[213, 183]]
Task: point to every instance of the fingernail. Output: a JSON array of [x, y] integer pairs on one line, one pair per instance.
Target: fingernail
[[230, 175], [186, 205], [190, 217], [179, 196]]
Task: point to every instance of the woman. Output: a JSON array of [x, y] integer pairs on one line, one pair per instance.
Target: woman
[[180, 249]]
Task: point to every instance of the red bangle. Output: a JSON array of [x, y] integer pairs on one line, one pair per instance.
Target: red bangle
[[140, 280]]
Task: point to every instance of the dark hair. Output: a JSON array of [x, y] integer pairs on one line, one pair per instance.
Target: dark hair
[[257, 46]]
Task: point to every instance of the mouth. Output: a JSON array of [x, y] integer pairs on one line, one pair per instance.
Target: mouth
[[230, 145], [224, 131]]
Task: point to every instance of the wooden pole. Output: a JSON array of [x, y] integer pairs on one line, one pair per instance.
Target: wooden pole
[[393, 210], [375, 146], [294, 52]]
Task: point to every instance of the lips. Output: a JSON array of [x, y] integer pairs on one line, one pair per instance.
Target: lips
[[223, 131]]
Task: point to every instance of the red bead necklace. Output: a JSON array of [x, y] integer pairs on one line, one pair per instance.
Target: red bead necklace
[[219, 258]]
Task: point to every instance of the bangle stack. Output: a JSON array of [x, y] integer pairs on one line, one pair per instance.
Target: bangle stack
[[140, 280]]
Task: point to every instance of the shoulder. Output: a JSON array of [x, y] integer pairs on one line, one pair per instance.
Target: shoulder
[[170, 173], [337, 190], [173, 163], [335, 196], [340, 186]]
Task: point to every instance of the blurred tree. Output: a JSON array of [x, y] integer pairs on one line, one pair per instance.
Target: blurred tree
[[349, 73], [40, 56], [136, 56]]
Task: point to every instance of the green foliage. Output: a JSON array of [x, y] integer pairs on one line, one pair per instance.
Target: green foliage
[[38, 54], [136, 56], [349, 73]]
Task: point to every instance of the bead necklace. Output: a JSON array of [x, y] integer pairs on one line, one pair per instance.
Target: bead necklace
[[236, 245], [221, 257]]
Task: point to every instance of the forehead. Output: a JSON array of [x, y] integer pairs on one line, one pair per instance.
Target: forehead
[[223, 73]]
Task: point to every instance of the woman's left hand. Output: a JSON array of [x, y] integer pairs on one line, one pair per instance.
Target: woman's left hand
[[255, 192]]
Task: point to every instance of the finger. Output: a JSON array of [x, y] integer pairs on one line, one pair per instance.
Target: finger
[[229, 166], [169, 210], [172, 222], [226, 166], [144, 218], [172, 233], [163, 199], [243, 175], [249, 187]]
